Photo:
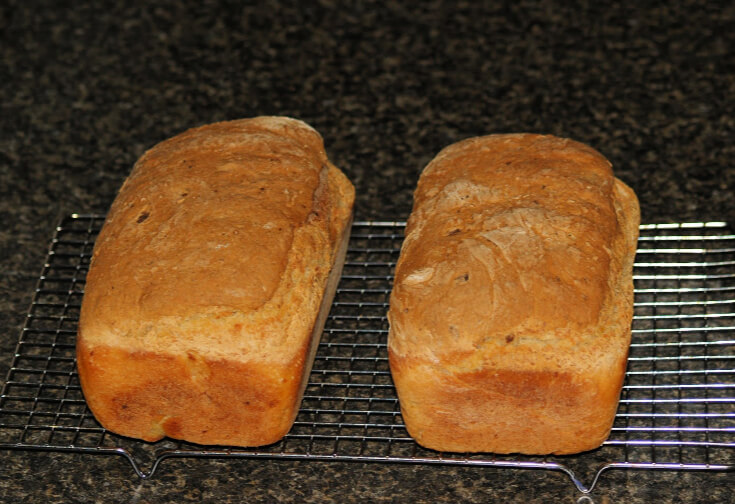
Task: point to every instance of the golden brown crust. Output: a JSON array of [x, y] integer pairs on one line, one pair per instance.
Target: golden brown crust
[[208, 279], [511, 309], [228, 185]]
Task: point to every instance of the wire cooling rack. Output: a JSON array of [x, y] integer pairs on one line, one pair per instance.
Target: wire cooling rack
[[677, 410]]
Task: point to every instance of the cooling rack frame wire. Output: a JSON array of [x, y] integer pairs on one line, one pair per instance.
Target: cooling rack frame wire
[[677, 409]]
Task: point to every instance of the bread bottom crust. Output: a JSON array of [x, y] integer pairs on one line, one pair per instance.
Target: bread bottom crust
[[149, 396], [506, 411]]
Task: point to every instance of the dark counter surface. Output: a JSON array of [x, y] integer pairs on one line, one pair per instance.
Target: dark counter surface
[[86, 88]]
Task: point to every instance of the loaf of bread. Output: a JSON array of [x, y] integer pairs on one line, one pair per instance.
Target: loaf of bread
[[210, 283], [510, 316]]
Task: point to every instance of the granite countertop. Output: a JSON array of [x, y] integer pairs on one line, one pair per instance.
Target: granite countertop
[[86, 88]]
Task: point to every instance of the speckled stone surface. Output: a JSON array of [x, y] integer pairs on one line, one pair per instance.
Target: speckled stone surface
[[86, 87]]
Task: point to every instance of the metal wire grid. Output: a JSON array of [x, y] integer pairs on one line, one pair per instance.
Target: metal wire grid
[[677, 409]]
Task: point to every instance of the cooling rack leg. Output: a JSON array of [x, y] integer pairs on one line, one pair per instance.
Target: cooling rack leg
[[136, 466], [577, 483]]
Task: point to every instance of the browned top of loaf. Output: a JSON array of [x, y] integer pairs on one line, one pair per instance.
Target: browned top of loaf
[[512, 241], [204, 229]]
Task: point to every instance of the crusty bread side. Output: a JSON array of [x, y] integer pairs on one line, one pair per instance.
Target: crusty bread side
[[210, 282], [510, 316]]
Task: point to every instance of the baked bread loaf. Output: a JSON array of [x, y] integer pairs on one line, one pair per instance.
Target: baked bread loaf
[[510, 316], [210, 283]]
